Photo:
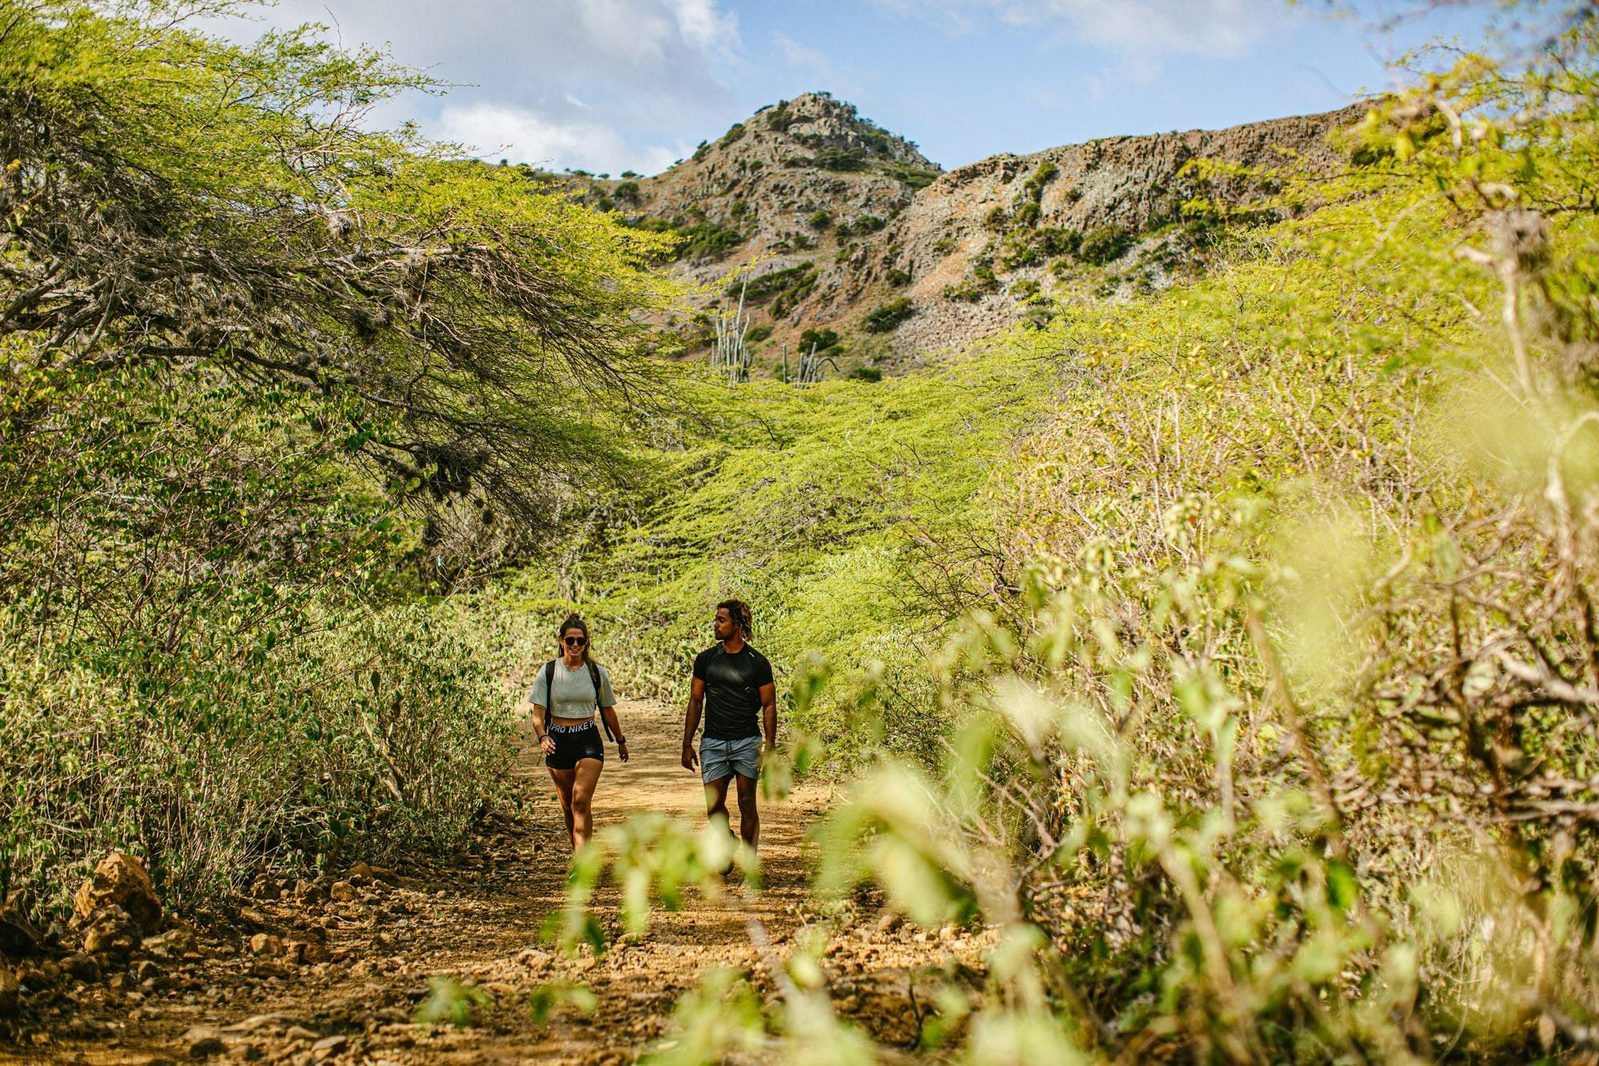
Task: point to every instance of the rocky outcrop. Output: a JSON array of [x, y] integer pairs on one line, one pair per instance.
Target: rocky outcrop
[[831, 218], [119, 881]]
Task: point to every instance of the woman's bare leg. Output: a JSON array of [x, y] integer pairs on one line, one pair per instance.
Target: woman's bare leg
[[564, 782], [581, 819]]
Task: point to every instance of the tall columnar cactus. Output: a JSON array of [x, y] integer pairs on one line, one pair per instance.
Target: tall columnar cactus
[[730, 354]]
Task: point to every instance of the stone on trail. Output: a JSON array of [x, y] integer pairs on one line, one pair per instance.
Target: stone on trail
[[82, 966], [266, 944], [112, 931], [343, 891], [120, 880], [172, 944], [10, 992], [329, 1046], [19, 937], [204, 1042]]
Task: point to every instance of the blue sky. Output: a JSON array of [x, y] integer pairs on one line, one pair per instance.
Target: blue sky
[[608, 85]]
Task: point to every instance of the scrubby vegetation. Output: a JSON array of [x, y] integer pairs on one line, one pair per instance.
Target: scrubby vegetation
[[887, 317], [1230, 653], [1272, 737], [256, 405]]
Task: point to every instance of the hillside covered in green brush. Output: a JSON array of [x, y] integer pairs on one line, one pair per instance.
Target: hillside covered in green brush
[[1179, 563]]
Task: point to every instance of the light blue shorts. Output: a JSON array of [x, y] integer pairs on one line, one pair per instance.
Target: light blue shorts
[[723, 758]]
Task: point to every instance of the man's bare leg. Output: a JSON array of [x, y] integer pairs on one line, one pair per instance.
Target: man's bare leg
[[749, 818]]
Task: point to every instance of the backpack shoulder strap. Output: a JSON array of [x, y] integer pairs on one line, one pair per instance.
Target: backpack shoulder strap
[[594, 676], [549, 685]]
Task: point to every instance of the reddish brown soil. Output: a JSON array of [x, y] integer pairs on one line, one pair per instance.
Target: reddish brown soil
[[479, 920]]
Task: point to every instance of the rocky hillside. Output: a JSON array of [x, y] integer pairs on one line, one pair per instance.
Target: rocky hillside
[[829, 224]]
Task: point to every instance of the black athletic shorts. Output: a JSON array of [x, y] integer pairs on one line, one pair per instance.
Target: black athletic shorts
[[574, 742]]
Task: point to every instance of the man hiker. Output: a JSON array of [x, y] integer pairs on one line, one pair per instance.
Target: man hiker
[[732, 682]]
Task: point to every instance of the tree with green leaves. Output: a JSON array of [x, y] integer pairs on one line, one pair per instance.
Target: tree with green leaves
[[259, 362]]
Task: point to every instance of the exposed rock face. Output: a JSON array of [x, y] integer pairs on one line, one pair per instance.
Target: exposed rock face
[[840, 217], [119, 881]]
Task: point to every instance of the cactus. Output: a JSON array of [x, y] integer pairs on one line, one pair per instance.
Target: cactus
[[810, 366], [730, 354]]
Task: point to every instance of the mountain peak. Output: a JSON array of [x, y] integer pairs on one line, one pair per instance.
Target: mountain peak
[[817, 131]]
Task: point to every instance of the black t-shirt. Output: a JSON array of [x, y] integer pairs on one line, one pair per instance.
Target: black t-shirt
[[732, 691]]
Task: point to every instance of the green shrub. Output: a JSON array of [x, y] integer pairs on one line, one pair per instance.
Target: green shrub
[[385, 735], [1103, 245], [887, 317], [819, 219], [758, 332], [826, 341]]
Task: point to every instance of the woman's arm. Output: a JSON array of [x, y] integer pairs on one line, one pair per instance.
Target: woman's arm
[[615, 725], [541, 729]]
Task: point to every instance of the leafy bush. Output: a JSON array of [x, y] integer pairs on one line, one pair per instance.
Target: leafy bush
[[887, 317], [1272, 740], [819, 219], [236, 753], [758, 332], [1103, 245], [221, 476], [825, 341]]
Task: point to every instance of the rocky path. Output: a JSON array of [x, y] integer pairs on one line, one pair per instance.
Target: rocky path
[[341, 979]]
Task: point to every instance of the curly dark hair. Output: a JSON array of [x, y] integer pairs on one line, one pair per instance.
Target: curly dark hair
[[741, 616]]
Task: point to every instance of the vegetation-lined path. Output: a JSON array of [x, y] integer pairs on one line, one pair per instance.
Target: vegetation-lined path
[[478, 920]]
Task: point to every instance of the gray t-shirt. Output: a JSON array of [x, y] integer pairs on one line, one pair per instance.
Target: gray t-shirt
[[574, 691]]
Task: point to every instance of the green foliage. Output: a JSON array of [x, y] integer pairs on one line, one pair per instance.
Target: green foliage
[[887, 317], [255, 400], [707, 240], [823, 340], [819, 506], [1033, 188], [245, 746], [759, 332], [819, 220], [1270, 740], [450, 1002], [861, 226], [1103, 245]]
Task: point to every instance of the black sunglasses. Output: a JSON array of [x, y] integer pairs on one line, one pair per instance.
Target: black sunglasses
[[576, 642]]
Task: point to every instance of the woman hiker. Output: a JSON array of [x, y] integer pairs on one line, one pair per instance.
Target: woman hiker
[[565, 695]]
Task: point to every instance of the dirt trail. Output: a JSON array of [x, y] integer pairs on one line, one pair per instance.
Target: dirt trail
[[369, 959]]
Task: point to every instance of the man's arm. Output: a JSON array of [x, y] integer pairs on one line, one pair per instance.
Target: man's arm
[[769, 714], [691, 723]]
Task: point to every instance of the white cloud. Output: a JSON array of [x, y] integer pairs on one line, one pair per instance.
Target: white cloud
[[703, 25], [1195, 27], [533, 75], [500, 131], [796, 54]]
